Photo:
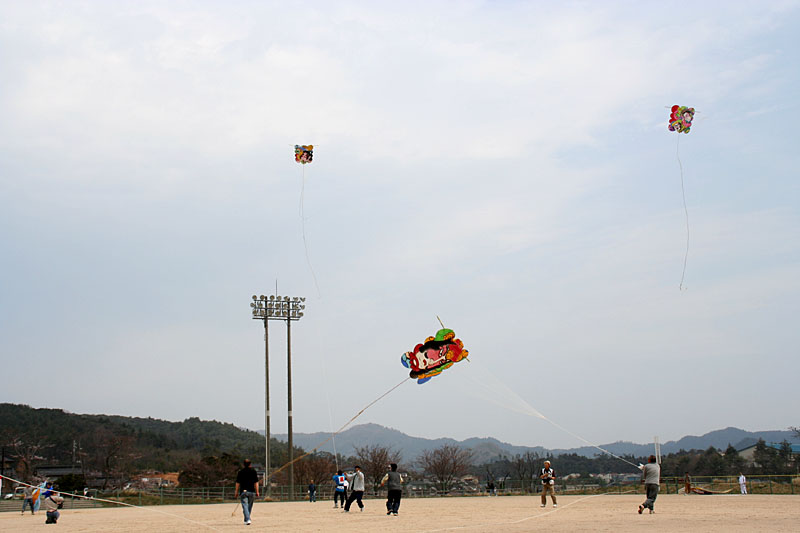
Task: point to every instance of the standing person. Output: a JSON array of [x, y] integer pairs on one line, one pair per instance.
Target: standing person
[[356, 480], [687, 483], [651, 477], [340, 489], [548, 477], [742, 483], [27, 495], [394, 483], [52, 503], [312, 492], [247, 489]]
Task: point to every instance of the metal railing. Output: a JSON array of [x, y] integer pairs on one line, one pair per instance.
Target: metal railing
[[770, 484]]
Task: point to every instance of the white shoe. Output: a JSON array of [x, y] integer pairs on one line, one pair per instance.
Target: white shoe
[[543, 505], [247, 523], [555, 505]]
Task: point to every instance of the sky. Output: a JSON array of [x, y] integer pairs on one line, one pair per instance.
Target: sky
[[505, 166]]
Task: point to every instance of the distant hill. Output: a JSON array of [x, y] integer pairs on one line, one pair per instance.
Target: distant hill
[[488, 449], [155, 444]]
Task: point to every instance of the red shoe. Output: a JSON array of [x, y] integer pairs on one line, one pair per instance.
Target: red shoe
[[641, 508]]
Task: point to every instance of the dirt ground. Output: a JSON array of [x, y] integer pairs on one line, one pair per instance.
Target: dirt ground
[[615, 513]]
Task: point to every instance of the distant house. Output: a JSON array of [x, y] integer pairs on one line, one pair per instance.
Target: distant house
[[748, 452]]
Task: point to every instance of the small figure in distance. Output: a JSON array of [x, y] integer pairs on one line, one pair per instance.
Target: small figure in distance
[[548, 477], [312, 492], [687, 484], [394, 483], [651, 477], [742, 483], [247, 489]]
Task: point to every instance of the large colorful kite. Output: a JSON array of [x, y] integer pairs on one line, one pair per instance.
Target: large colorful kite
[[435, 355], [680, 118], [303, 153]]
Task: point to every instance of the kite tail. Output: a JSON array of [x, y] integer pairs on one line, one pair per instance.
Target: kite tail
[[303, 223], [318, 446], [686, 212]]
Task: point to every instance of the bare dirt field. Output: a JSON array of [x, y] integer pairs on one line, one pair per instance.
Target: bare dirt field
[[615, 513]]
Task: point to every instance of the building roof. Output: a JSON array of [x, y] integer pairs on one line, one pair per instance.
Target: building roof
[[774, 445]]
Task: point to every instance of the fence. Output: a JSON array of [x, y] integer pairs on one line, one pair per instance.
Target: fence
[[776, 484]]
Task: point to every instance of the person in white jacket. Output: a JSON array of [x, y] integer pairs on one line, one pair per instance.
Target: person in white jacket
[[742, 483], [356, 480]]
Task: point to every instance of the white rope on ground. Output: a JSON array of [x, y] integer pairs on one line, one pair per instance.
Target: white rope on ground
[[495, 524], [90, 498]]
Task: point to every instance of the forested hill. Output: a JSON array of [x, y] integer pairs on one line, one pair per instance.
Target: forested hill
[[149, 442]]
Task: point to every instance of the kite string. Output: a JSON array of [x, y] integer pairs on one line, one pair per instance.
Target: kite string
[[151, 509], [318, 446], [685, 210], [330, 411], [525, 407], [303, 226]]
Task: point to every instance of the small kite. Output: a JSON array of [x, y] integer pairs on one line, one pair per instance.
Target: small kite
[[303, 153], [680, 118], [434, 355]]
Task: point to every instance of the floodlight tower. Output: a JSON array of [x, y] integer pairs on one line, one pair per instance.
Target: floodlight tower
[[276, 307]]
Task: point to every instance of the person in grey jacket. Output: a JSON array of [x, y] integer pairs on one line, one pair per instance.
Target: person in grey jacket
[[651, 477], [356, 480], [394, 482]]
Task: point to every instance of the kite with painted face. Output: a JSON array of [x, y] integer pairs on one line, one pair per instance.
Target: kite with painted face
[[303, 153], [680, 118], [436, 354]]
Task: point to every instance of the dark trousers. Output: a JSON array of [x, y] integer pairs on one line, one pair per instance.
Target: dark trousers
[[393, 500], [339, 496], [652, 493], [354, 495], [27, 501], [52, 517]]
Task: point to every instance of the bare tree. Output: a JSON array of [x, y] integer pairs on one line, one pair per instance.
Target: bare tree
[[374, 462], [316, 467], [26, 450], [111, 451], [446, 464]]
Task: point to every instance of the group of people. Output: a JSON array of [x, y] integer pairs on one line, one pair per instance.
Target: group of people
[[354, 482], [51, 501]]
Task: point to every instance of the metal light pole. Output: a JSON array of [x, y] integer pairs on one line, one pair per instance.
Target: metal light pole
[[276, 307]]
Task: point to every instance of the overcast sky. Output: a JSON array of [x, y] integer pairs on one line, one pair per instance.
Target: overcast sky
[[503, 165]]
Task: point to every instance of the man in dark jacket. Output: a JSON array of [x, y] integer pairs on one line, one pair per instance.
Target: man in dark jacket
[[394, 482]]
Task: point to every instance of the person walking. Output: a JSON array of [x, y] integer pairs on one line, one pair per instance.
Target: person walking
[[548, 477], [394, 483], [356, 480], [339, 490], [312, 492], [742, 483], [27, 498], [247, 489], [651, 477]]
